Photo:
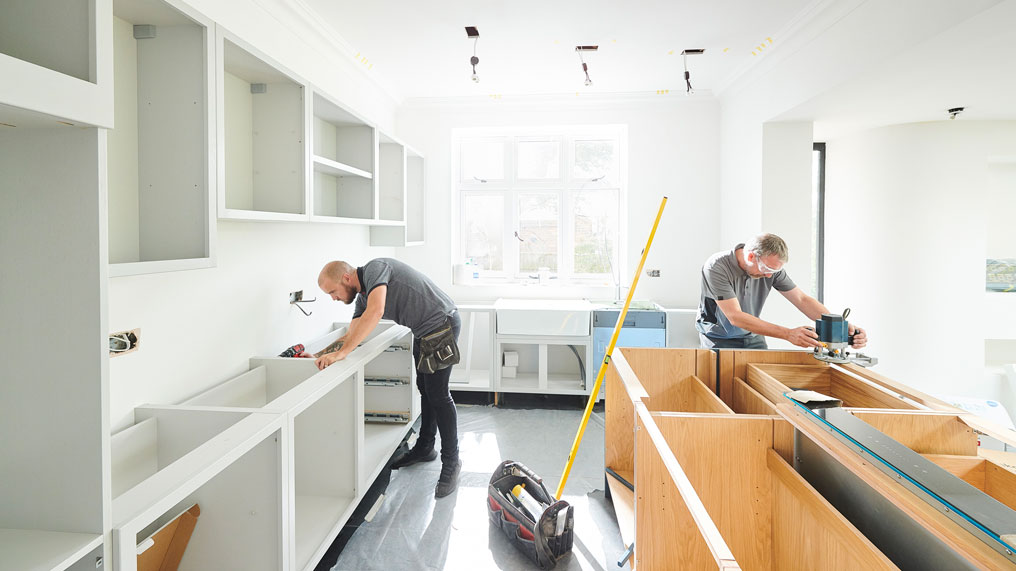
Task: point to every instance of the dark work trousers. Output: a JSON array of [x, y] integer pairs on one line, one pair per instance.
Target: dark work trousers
[[437, 412]]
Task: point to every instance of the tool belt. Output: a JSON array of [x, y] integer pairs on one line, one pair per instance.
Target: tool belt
[[438, 350], [544, 537]]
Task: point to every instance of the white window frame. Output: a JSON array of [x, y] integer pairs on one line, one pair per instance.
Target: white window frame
[[511, 187]]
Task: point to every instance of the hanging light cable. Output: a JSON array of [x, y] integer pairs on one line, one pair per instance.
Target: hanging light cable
[[473, 33], [687, 74], [585, 68]]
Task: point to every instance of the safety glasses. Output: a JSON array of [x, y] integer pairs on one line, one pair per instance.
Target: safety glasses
[[762, 267]]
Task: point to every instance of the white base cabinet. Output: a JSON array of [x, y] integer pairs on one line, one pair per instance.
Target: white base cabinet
[[277, 457]]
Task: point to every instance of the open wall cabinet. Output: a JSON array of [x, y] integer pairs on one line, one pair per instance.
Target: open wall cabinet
[[343, 164], [401, 195], [262, 133], [161, 151], [56, 61]]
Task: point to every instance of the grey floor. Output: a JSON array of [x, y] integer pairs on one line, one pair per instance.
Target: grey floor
[[413, 530]]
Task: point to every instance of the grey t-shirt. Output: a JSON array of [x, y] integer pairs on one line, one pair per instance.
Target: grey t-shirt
[[412, 300], [723, 278]]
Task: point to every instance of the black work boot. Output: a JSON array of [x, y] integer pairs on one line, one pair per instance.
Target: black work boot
[[414, 456], [449, 479]]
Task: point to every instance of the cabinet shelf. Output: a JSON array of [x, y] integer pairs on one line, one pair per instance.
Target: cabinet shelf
[[344, 164], [318, 521], [34, 549], [335, 168], [473, 380]]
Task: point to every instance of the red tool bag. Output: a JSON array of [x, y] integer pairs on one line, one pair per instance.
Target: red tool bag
[[545, 536]]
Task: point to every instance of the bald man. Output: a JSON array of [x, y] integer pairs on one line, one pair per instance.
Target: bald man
[[387, 288]]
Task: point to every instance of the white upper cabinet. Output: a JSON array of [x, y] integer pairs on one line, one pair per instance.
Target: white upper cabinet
[[161, 150], [262, 134], [343, 164], [56, 63], [401, 183]]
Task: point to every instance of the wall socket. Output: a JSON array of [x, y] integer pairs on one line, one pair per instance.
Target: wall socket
[[653, 273], [295, 296], [123, 342]]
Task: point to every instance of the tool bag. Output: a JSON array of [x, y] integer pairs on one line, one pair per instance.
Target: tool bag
[[437, 350], [544, 537]]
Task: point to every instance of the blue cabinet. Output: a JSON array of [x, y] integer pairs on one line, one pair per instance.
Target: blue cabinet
[[642, 328]]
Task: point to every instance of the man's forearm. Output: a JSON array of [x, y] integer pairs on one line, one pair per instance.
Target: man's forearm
[[813, 308], [359, 329], [333, 347], [759, 326]]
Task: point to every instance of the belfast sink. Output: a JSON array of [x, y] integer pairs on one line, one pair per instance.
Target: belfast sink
[[543, 316]]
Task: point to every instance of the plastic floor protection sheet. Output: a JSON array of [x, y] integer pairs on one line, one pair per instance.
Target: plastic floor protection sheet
[[413, 530]]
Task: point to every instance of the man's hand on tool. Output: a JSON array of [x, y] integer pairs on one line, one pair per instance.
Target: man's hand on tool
[[803, 336], [859, 336]]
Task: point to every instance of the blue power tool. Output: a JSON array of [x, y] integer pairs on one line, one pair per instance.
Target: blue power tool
[[834, 334]]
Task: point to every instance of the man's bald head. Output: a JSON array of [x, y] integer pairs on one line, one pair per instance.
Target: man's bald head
[[338, 280]]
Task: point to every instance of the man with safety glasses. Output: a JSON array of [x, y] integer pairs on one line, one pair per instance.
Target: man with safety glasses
[[735, 285]]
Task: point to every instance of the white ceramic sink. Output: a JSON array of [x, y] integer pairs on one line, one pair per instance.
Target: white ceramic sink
[[543, 316]]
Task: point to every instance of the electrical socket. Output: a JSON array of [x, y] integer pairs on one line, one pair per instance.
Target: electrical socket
[[123, 342], [295, 296], [653, 273]]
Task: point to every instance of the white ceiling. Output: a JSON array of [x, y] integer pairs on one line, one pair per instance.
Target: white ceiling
[[420, 49], [970, 65]]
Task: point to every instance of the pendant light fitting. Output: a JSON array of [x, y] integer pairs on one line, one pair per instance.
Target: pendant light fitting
[[585, 68], [474, 34]]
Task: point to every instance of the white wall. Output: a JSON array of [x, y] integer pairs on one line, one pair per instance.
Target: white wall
[[673, 150], [200, 327], [787, 211], [907, 210], [820, 54]]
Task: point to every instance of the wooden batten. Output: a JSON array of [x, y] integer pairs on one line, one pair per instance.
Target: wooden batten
[[672, 526], [924, 433], [724, 458], [808, 532]]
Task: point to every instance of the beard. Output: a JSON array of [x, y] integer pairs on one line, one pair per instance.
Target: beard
[[349, 295]]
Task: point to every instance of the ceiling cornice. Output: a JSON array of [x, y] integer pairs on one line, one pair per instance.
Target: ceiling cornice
[[578, 99], [315, 23], [810, 22]]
